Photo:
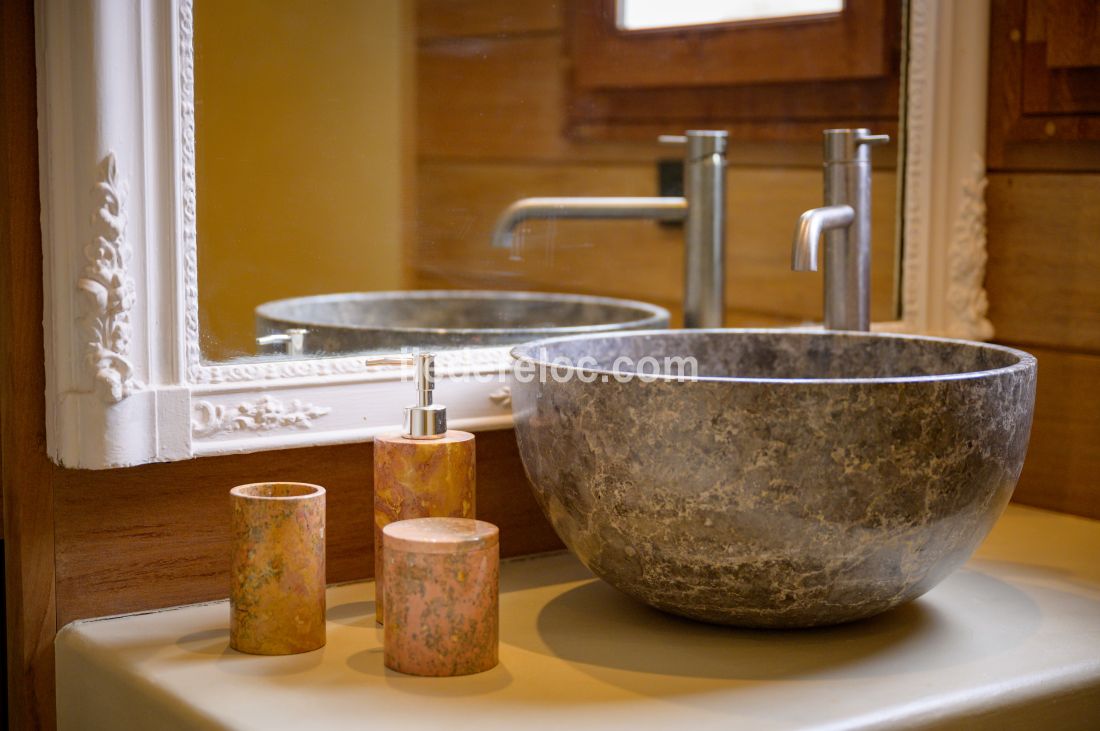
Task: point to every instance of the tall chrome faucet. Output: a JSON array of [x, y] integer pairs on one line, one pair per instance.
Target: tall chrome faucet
[[846, 222], [702, 209]]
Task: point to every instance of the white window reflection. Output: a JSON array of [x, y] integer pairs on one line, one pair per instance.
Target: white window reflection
[[650, 14]]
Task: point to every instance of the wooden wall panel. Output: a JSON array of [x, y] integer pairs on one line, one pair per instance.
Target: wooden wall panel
[[1064, 457], [1071, 34], [451, 18], [734, 317], [28, 500], [1042, 100], [504, 98], [491, 116], [500, 99], [1043, 282], [158, 535], [458, 204], [1044, 259], [1043, 274]]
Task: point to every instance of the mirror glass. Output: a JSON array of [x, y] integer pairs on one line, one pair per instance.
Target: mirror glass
[[353, 158]]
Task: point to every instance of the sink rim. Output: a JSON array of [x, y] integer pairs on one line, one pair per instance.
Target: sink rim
[[1024, 360], [653, 314]]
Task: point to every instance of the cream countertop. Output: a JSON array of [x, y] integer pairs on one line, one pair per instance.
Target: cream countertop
[[1011, 641]]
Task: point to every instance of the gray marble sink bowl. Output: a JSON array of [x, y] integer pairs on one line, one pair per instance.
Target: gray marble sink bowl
[[798, 479], [389, 321]]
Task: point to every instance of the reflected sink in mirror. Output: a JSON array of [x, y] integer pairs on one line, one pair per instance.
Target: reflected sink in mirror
[[772, 478], [366, 322]]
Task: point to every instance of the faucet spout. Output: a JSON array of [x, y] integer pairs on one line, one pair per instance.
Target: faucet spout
[[702, 208], [811, 225], [670, 208]]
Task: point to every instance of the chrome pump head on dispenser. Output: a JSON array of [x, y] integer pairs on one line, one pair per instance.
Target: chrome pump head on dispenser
[[425, 420]]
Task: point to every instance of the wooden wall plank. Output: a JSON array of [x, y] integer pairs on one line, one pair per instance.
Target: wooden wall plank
[[28, 501], [499, 99], [458, 204], [734, 317], [1043, 273], [1071, 33], [486, 99], [158, 535], [1035, 141], [456, 18], [1064, 456], [1044, 259]]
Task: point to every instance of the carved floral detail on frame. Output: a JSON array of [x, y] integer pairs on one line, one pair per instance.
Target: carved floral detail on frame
[[108, 292], [502, 397], [967, 257], [266, 413], [188, 189]]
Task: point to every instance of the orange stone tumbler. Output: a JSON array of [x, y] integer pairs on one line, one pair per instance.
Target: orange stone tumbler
[[277, 594]]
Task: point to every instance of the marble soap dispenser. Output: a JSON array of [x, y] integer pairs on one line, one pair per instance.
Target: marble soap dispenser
[[427, 471]]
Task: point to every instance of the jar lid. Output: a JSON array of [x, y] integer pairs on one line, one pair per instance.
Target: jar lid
[[439, 535]]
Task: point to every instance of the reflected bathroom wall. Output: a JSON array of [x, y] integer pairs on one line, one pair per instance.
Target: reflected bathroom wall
[[357, 147], [495, 113], [302, 131]]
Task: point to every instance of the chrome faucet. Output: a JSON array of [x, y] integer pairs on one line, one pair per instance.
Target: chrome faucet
[[846, 222], [702, 209], [294, 339]]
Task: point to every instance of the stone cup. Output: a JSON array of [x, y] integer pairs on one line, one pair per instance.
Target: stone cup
[[277, 591]]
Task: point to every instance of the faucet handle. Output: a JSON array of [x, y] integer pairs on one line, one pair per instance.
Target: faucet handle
[[699, 142], [869, 139], [851, 145]]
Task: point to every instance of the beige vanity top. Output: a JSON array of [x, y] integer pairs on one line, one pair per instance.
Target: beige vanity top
[[1011, 641]]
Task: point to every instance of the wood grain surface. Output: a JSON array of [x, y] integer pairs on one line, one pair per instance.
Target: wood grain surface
[[458, 204], [449, 18], [28, 499], [1044, 259], [1063, 459]]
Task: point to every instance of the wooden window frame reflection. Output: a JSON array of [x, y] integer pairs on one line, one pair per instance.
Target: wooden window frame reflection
[[632, 84], [728, 24]]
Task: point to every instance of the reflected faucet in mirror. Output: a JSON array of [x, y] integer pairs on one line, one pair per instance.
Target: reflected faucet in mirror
[[702, 208], [294, 339], [845, 220]]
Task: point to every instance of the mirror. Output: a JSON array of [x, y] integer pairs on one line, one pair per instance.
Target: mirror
[[348, 151], [150, 319]]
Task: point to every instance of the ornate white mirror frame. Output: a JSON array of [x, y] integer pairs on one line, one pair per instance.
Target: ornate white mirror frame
[[125, 381]]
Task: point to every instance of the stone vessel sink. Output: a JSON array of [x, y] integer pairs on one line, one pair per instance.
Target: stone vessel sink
[[797, 479], [388, 321]]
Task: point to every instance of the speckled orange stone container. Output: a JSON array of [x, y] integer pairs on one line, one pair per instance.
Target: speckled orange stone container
[[277, 594], [419, 478], [442, 587]]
